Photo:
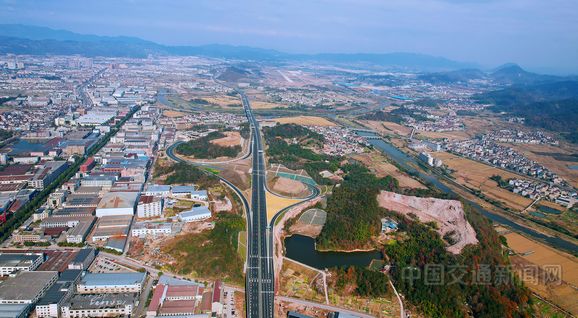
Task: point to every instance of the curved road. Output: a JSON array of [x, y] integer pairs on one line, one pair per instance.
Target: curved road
[[260, 281]]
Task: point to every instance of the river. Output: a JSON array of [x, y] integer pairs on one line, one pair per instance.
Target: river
[[302, 249], [403, 160]]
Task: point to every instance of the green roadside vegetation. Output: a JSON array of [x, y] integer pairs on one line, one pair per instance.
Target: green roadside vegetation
[[353, 216], [67, 244], [211, 253], [203, 148], [478, 280], [361, 282], [109, 250], [184, 173], [5, 134], [27, 210], [297, 154], [44, 244]]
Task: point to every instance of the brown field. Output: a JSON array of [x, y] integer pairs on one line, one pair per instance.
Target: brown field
[[379, 165], [477, 175], [300, 282], [557, 166], [386, 127], [232, 138], [223, 100], [276, 204], [173, 113], [305, 121], [452, 135], [237, 173], [265, 105], [288, 187], [563, 293]]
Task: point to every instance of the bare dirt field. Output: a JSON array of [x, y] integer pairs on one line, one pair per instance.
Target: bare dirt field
[[224, 101], [237, 172], [305, 121], [452, 135], [288, 187], [379, 165], [173, 113], [232, 138], [386, 127], [477, 175], [535, 259], [301, 282], [448, 214], [276, 204]]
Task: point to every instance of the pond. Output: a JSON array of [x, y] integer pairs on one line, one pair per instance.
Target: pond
[[302, 249]]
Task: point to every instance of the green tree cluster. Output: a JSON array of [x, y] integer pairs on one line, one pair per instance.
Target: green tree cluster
[[353, 212], [442, 284], [203, 148]]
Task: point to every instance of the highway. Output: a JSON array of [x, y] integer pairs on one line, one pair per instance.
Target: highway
[[259, 280], [259, 284]]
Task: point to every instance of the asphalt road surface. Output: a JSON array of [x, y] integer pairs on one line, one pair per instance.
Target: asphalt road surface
[[259, 286]]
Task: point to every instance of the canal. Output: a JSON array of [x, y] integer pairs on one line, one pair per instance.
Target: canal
[[404, 160]]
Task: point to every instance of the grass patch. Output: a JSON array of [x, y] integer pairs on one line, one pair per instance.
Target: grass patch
[[211, 254]]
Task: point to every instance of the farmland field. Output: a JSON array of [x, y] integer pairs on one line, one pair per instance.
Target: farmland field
[[534, 254], [305, 121]]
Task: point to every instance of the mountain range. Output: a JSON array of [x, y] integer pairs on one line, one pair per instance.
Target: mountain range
[[35, 40], [507, 74]]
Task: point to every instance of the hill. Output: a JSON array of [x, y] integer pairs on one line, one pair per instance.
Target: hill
[[507, 74], [552, 106], [34, 40], [458, 76], [513, 74]]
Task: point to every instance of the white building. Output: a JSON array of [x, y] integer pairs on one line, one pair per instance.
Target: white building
[[102, 305], [26, 287], [158, 190], [117, 203], [151, 229], [111, 283], [195, 214], [149, 206], [200, 195], [16, 262]]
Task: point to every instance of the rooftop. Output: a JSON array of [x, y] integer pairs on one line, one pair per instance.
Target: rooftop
[[100, 301], [18, 260], [199, 210], [107, 279], [183, 189], [158, 188], [115, 200], [26, 285], [12, 310]]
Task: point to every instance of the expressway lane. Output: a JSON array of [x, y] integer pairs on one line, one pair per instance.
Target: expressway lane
[[259, 280], [260, 287]]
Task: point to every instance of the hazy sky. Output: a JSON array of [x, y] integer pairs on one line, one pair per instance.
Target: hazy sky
[[538, 34]]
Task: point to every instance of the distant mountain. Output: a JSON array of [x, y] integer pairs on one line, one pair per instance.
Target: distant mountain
[[34, 40], [507, 74], [42, 33], [90, 49], [513, 74], [552, 106], [458, 76], [524, 95], [409, 60]]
